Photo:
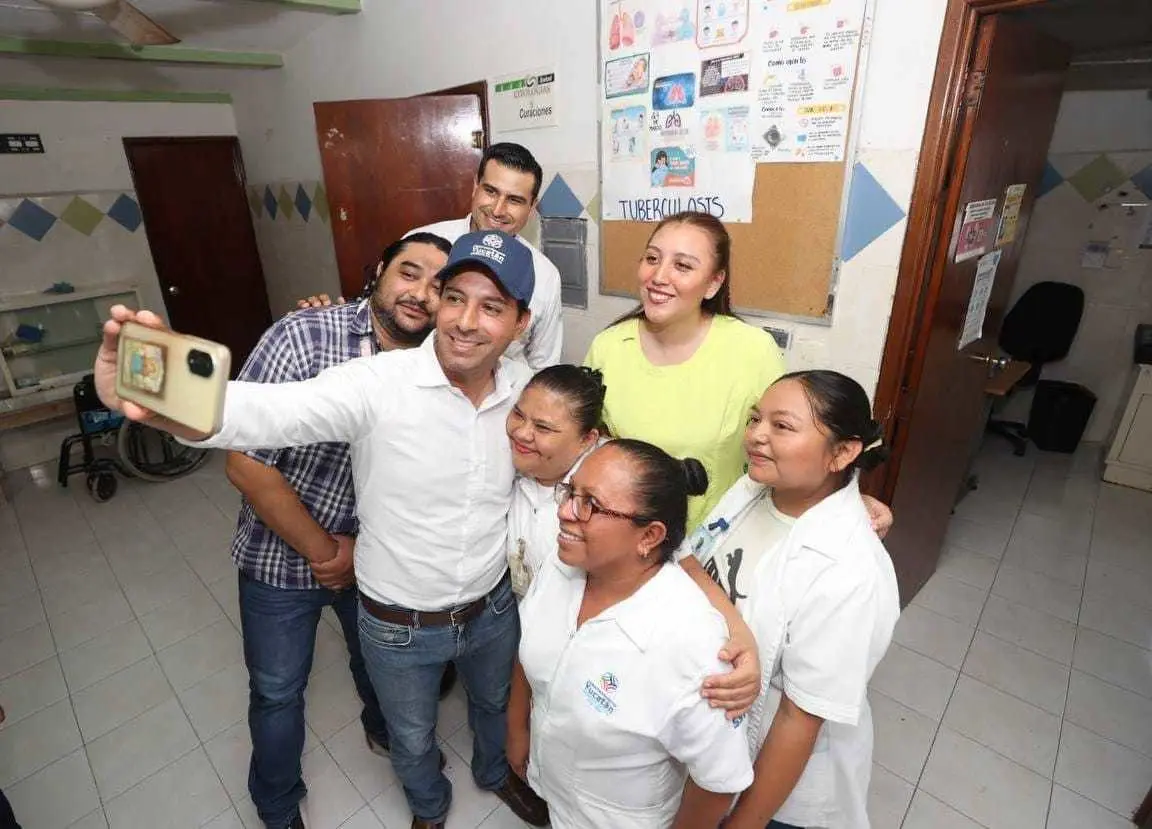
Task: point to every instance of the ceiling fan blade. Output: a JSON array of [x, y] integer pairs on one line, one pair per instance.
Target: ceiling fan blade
[[138, 27]]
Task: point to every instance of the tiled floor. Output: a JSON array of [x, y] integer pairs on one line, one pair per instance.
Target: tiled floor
[[1018, 690], [122, 674], [1018, 693]]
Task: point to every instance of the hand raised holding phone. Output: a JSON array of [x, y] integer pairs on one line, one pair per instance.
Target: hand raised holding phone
[[152, 375]]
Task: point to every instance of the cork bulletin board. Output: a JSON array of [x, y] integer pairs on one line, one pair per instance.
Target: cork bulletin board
[[782, 262]]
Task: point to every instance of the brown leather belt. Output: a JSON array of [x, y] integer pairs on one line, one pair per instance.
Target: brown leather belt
[[428, 618]]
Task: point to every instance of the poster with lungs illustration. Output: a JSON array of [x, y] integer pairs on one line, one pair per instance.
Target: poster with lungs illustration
[[678, 67], [696, 93]]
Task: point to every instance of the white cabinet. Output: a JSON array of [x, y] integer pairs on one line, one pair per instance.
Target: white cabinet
[[1129, 460]]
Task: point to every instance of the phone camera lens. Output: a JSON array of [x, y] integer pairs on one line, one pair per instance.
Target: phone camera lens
[[200, 363]]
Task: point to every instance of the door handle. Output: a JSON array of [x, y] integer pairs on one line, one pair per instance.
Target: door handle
[[173, 290], [994, 363]]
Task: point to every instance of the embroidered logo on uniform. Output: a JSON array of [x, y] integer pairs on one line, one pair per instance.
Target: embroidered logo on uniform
[[493, 241], [597, 698], [609, 683], [736, 722]]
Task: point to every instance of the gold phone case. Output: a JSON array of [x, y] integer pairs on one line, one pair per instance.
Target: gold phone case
[[154, 370]]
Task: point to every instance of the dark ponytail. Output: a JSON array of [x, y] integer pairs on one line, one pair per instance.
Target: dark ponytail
[[581, 387], [660, 488], [841, 406]]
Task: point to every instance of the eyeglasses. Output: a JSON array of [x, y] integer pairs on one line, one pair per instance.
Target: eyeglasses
[[585, 506]]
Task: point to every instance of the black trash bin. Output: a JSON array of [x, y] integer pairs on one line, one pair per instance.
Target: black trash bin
[[1059, 416]]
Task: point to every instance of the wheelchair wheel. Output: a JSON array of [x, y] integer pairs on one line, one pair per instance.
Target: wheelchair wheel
[[102, 485], [156, 456]]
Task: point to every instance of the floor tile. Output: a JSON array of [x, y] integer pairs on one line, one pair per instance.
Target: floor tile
[[1068, 569], [958, 601], [916, 681], [364, 819], [89, 621], [37, 741], [56, 797], [470, 806], [202, 654], [1110, 581], [1054, 497], [105, 655], [54, 569], [20, 614], [79, 589], [1119, 715], [25, 649], [17, 584], [140, 748], [227, 595], [902, 737], [453, 713], [139, 558], [369, 773], [179, 620], [1028, 628], [114, 701], [32, 690], [248, 816], [227, 820], [176, 584], [888, 799], [1101, 770], [1005, 724], [217, 702], [92, 820], [331, 649], [969, 567], [1071, 811], [1127, 548], [503, 818], [1018, 671], [980, 537], [1068, 535], [186, 794], [231, 752], [1114, 661], [1122, 620], [392, 808], [332, 799], [983, 785], [931, 634], [926, 812], [332, 701], [1038, 592]]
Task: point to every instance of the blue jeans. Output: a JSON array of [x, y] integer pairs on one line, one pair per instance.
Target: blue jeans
[[406, 664], [279, 629]]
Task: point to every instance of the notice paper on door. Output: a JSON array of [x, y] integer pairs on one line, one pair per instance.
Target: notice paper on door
[[976, 229], [981, 292]]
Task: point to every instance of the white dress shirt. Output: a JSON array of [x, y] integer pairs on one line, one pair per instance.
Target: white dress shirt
[[822, 604], [540, 345], [617, 717], [433, 473]]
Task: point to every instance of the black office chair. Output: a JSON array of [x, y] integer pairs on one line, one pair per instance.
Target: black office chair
[[1038, 329]]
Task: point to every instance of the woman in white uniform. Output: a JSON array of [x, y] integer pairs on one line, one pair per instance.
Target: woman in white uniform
[[792, 544], [606, 720], [552, 428]]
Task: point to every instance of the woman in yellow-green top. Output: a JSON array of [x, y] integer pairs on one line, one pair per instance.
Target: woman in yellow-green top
[[682, 372]]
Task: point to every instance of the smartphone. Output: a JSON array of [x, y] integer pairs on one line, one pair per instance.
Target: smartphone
[[178, 376]]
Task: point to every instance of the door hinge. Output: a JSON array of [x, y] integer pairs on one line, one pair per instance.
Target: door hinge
[[477, 139], [974, 87]]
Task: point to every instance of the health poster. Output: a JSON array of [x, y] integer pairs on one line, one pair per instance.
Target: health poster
[[976, 229], [803, 67], [1010, 217], [978, 302], [675, 111]]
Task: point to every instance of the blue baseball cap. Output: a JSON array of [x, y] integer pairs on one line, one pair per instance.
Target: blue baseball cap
[[506, 258]]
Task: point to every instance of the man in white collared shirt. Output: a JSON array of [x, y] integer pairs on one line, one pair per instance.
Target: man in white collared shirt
[[433, 475], [506, 188]]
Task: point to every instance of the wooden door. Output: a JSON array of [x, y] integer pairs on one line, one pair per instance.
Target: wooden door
[[392, 165], [193, 199], [1010, 106]]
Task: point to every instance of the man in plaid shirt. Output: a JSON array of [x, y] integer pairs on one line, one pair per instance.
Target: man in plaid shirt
[[294, 538]]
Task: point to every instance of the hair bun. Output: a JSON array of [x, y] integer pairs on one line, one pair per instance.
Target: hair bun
[[874, 452], [593, 374], [695, 476]]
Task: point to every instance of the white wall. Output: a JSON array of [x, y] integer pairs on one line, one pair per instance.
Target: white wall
[[406, 47], [1117, 126], [83, 157]]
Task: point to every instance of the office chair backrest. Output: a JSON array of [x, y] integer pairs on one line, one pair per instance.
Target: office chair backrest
[[1041, 326]]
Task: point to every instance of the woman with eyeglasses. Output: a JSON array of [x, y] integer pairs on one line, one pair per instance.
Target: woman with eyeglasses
[[552, 428], [606, 721]]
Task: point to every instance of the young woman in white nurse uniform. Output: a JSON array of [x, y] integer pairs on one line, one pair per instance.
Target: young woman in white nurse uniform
[[606, 721], [552, 428], [791, 542]]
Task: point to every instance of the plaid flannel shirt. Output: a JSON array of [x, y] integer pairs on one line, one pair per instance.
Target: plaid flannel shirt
[[297, 347]]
